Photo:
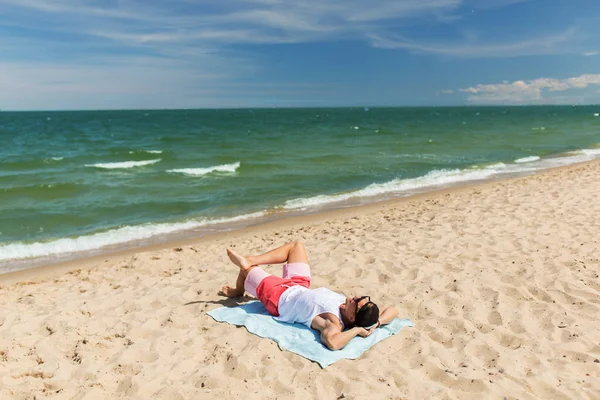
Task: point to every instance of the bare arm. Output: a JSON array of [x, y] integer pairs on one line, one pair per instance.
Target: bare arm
[[387, 315], [332, 335]]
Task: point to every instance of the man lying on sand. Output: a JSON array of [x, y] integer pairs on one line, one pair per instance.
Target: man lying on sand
[[289, 298]]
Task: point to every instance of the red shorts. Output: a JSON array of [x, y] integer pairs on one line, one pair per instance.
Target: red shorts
[[269, 288]]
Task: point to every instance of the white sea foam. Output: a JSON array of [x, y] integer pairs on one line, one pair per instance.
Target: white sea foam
[[20, 250], [52, 160], [445, 177], [124, 164], [496, 166], [567, 159], [203, 171], [146, 151], [433, 178], [526, 159], [589, 152]]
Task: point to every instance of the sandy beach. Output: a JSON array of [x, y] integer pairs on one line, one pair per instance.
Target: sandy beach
[[500, 279]]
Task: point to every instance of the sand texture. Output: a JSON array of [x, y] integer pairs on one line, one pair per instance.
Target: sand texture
[[500, 279]]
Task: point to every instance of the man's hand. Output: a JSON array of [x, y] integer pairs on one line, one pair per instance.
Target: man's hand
[[364, 333], [334, 338]]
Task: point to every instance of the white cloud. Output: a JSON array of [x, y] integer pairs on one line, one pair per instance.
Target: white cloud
[[253, 21], [539, 45], [590, 53], [584, 81], [523, 92], [495, 3], [170, 27], [77, 7], [180, 27]]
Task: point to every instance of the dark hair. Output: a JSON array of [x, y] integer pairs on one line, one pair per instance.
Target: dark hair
[[367, 316]]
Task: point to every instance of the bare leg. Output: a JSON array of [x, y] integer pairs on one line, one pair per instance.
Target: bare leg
[[238, 290], [289, 252], [245, 267]]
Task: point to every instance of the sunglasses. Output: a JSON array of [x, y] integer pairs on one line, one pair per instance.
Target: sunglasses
[[358, 300]]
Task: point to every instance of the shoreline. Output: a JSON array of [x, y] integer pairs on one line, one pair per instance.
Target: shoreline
[[343, 200], [53, 269]]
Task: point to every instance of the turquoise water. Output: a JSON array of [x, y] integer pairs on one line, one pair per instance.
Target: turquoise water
[[72, 181]]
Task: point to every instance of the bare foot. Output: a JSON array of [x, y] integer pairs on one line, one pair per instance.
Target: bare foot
[[228, 291], [238, 260]]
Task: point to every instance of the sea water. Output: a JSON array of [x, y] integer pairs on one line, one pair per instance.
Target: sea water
[[81, 181]]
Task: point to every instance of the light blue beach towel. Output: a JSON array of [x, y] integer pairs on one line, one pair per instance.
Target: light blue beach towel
[[298, 338]]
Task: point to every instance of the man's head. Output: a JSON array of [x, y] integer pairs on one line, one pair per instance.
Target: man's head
[[359, 311]]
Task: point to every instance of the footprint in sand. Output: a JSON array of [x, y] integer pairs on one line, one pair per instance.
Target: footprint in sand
[[126, 387], [449, 379], [412, 274], [508, 340], [445, 340], [487, 355], [516, 326], [539, 294], [132, 355], [495, 318]]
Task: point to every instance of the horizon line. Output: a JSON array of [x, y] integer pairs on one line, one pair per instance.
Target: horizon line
[[299, 108]]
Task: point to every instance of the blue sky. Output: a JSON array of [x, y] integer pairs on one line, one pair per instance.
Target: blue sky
[[115, 54]]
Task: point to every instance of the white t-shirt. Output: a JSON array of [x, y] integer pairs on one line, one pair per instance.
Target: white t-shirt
[[302, 305]]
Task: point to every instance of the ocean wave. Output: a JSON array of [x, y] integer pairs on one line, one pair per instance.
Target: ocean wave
[[203, 171], [433, 178], [20, 250], [446, 177], [526, 159], [568, 158], [495, 166], [52, 160], [146, 151], [589, 152], [123, 165]]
